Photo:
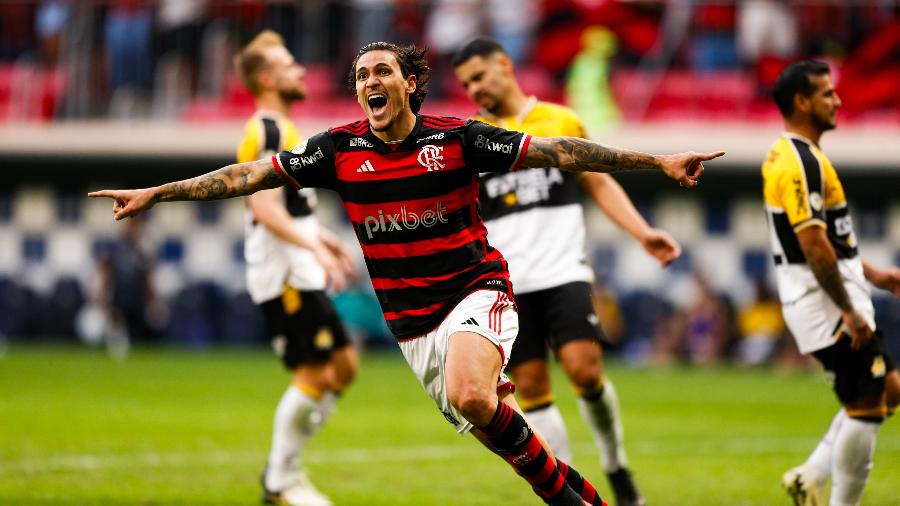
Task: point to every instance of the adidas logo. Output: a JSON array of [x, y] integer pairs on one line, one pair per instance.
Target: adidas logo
[[470, 321], [366, 167]]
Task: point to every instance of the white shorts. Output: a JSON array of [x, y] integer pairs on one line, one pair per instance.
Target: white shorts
[[486, 312]]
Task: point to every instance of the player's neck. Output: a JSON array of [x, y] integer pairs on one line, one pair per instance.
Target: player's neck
[[400, 128], [804, 130], [513, 104], [272, 101]]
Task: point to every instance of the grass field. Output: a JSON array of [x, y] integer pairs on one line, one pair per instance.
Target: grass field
[[192, 428]]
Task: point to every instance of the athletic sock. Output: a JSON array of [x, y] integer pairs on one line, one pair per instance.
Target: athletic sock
[[549, 422], [514, 440], [818, 466], [579, 484], [854, 448], [600, 409], [297, 418]]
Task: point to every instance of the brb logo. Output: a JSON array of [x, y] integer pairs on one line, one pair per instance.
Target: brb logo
[[431, 158], [404, 220]]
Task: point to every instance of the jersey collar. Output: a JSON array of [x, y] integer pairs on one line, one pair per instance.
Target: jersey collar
[[385, 147], [520, 118], [799, 137]]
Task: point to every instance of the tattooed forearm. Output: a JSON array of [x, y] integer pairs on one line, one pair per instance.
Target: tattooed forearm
[[575, 154], [231, 181], [826, 271]]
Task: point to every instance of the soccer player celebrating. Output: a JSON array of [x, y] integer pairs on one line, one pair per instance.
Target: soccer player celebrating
[[534, 216], [409, 185], [289, 260], [822, 285]]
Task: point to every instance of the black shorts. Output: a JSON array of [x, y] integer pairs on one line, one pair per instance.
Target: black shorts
[[309, 333], [552, 317], [856, 373]]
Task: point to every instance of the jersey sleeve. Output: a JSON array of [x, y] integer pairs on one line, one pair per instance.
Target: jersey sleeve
[[488, 148], [310, 164], [801, 189]]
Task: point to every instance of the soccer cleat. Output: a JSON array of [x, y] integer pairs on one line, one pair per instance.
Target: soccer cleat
[[623, 487], [803, 491], [300, 492]]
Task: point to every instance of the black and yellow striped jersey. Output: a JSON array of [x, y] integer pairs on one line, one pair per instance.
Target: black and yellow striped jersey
[[272, 262], [266, 134], [534, 216], [801, 189]]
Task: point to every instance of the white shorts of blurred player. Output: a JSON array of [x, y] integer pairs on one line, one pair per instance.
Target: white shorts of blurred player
[[485, 312]]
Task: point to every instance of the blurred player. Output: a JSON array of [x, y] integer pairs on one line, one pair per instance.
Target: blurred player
[[535, 218], [409, 184], [289, 259], [822, 286]]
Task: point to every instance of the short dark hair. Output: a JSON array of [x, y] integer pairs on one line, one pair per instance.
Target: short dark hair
[[795, 79], [479, 46], [412, 61]]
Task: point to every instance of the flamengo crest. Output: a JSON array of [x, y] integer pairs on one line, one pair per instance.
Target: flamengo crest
[[431, 158]]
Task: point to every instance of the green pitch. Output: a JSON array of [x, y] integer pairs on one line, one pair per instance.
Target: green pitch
[[178, 427]]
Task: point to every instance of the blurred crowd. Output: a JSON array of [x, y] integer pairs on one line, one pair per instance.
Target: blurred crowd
[[65, 58]]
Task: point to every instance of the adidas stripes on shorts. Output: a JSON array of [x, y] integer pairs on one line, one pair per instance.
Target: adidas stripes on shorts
[[489, 313]]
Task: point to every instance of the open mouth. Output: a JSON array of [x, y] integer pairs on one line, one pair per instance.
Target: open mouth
[[377, 103]]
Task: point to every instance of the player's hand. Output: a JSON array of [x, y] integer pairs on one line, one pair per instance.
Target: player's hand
[[686, 168], [127, 203], [889, 279], [661, 246], [334, 273], [859, 330], [340, 253]]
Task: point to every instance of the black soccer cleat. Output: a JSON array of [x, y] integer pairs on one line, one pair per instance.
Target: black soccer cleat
[[626, 492]]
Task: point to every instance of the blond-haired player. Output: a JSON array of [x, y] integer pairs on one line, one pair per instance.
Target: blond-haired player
[[290, 259]]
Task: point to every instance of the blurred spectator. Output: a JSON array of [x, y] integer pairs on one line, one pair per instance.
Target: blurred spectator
[[588, 90], [372, 20], [128, 38], [767, 38], [450, 24], [761, 326], [179, 26], [50, 21], [512, 24], [869, 77], [713, 45], [609, 314], [702, 332], [123, 305]]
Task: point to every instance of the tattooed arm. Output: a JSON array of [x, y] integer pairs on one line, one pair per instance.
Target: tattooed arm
[[575, 154], [231, 181], [822, 261]]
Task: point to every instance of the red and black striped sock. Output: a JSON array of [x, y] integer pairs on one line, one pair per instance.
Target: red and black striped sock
[[580, 484], [516, 443]]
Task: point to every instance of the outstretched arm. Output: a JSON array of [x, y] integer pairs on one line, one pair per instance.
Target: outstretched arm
[[614, 202], [576, 154], [231, 181]]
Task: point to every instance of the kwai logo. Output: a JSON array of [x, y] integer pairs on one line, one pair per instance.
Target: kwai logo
[[483, 142], [307, 160], [404, 220]]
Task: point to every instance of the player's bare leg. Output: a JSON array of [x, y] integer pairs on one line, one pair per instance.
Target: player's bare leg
[[471, 371], [598, 403]]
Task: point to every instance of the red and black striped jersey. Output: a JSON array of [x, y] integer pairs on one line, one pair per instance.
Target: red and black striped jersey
[[414, 208]]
